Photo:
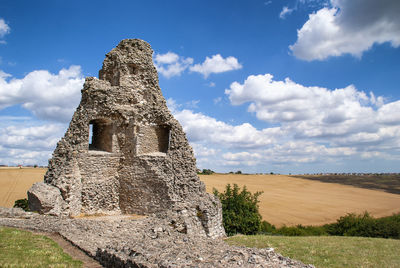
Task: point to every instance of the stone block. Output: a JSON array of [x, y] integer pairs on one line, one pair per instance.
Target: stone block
[[45, 199]]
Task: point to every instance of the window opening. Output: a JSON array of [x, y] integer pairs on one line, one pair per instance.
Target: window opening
[[100, 135]]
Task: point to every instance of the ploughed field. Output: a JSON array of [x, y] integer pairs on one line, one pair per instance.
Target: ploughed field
[[291, 200], [286, 199], [384, 182]]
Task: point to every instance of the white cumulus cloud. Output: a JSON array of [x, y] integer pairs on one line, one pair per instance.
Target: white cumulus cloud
[[171, 64], [348, 27], [29, 143], [48, 96], [287, 101], [216, 64], [4, 28], [200, 127], [340, 118]]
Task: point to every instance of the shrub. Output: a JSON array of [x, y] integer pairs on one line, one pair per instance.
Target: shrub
[[267, 228], [207, 172], [301, 230], [366, 225], [240, 210], [22, 203]]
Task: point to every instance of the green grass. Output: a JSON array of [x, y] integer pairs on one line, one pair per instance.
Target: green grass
[[329, 251], [19, 248]]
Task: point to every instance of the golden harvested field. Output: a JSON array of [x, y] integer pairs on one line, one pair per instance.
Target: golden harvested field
[[286, 200], [291, 201], [14, 182]]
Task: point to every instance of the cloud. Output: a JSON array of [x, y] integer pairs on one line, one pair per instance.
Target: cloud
[[217, 100], [29, 143], [4, 28], [285, 11], [202, 151], [286, 101], [224, 146], [216, 64], [348, 27], [48, 96], [171, 64], [211, 84], [37, 138], [344, 121], [200, 127], [193, 104]]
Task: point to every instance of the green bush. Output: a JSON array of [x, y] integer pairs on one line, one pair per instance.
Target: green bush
[[367, 226], [240, 210], [22, 203], [301, 230], [207, 172], [267, 228], [363, 225]]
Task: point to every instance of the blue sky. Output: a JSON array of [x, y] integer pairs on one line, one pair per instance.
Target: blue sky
[[296, 86]]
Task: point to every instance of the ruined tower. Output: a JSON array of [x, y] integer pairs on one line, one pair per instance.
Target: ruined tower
[[124, 153]]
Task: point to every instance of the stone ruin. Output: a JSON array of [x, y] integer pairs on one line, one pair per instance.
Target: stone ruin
[[124, 153]]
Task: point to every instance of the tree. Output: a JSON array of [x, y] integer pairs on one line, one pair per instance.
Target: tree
[[240, 210], [207, 172]]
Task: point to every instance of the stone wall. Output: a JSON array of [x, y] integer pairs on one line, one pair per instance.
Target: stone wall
[[152, 139]]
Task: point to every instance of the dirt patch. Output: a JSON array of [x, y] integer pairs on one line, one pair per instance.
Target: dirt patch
[[291, 201]]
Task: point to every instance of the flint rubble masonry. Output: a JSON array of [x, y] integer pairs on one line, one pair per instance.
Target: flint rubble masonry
[[138, 160]]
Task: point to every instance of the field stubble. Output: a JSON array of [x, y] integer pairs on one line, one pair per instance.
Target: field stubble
[[15, 182]]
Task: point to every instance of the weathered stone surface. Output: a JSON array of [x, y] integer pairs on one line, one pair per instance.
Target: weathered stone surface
[[16, 213], [119, 241], [45, 199], [139, 160]]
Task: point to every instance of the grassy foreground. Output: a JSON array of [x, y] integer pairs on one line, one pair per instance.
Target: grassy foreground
[[329, 251], [19, 248]]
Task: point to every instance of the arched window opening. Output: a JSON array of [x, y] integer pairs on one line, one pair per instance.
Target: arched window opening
[[100, 135]]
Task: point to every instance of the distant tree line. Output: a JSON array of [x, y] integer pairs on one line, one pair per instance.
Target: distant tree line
[[205, 172]]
